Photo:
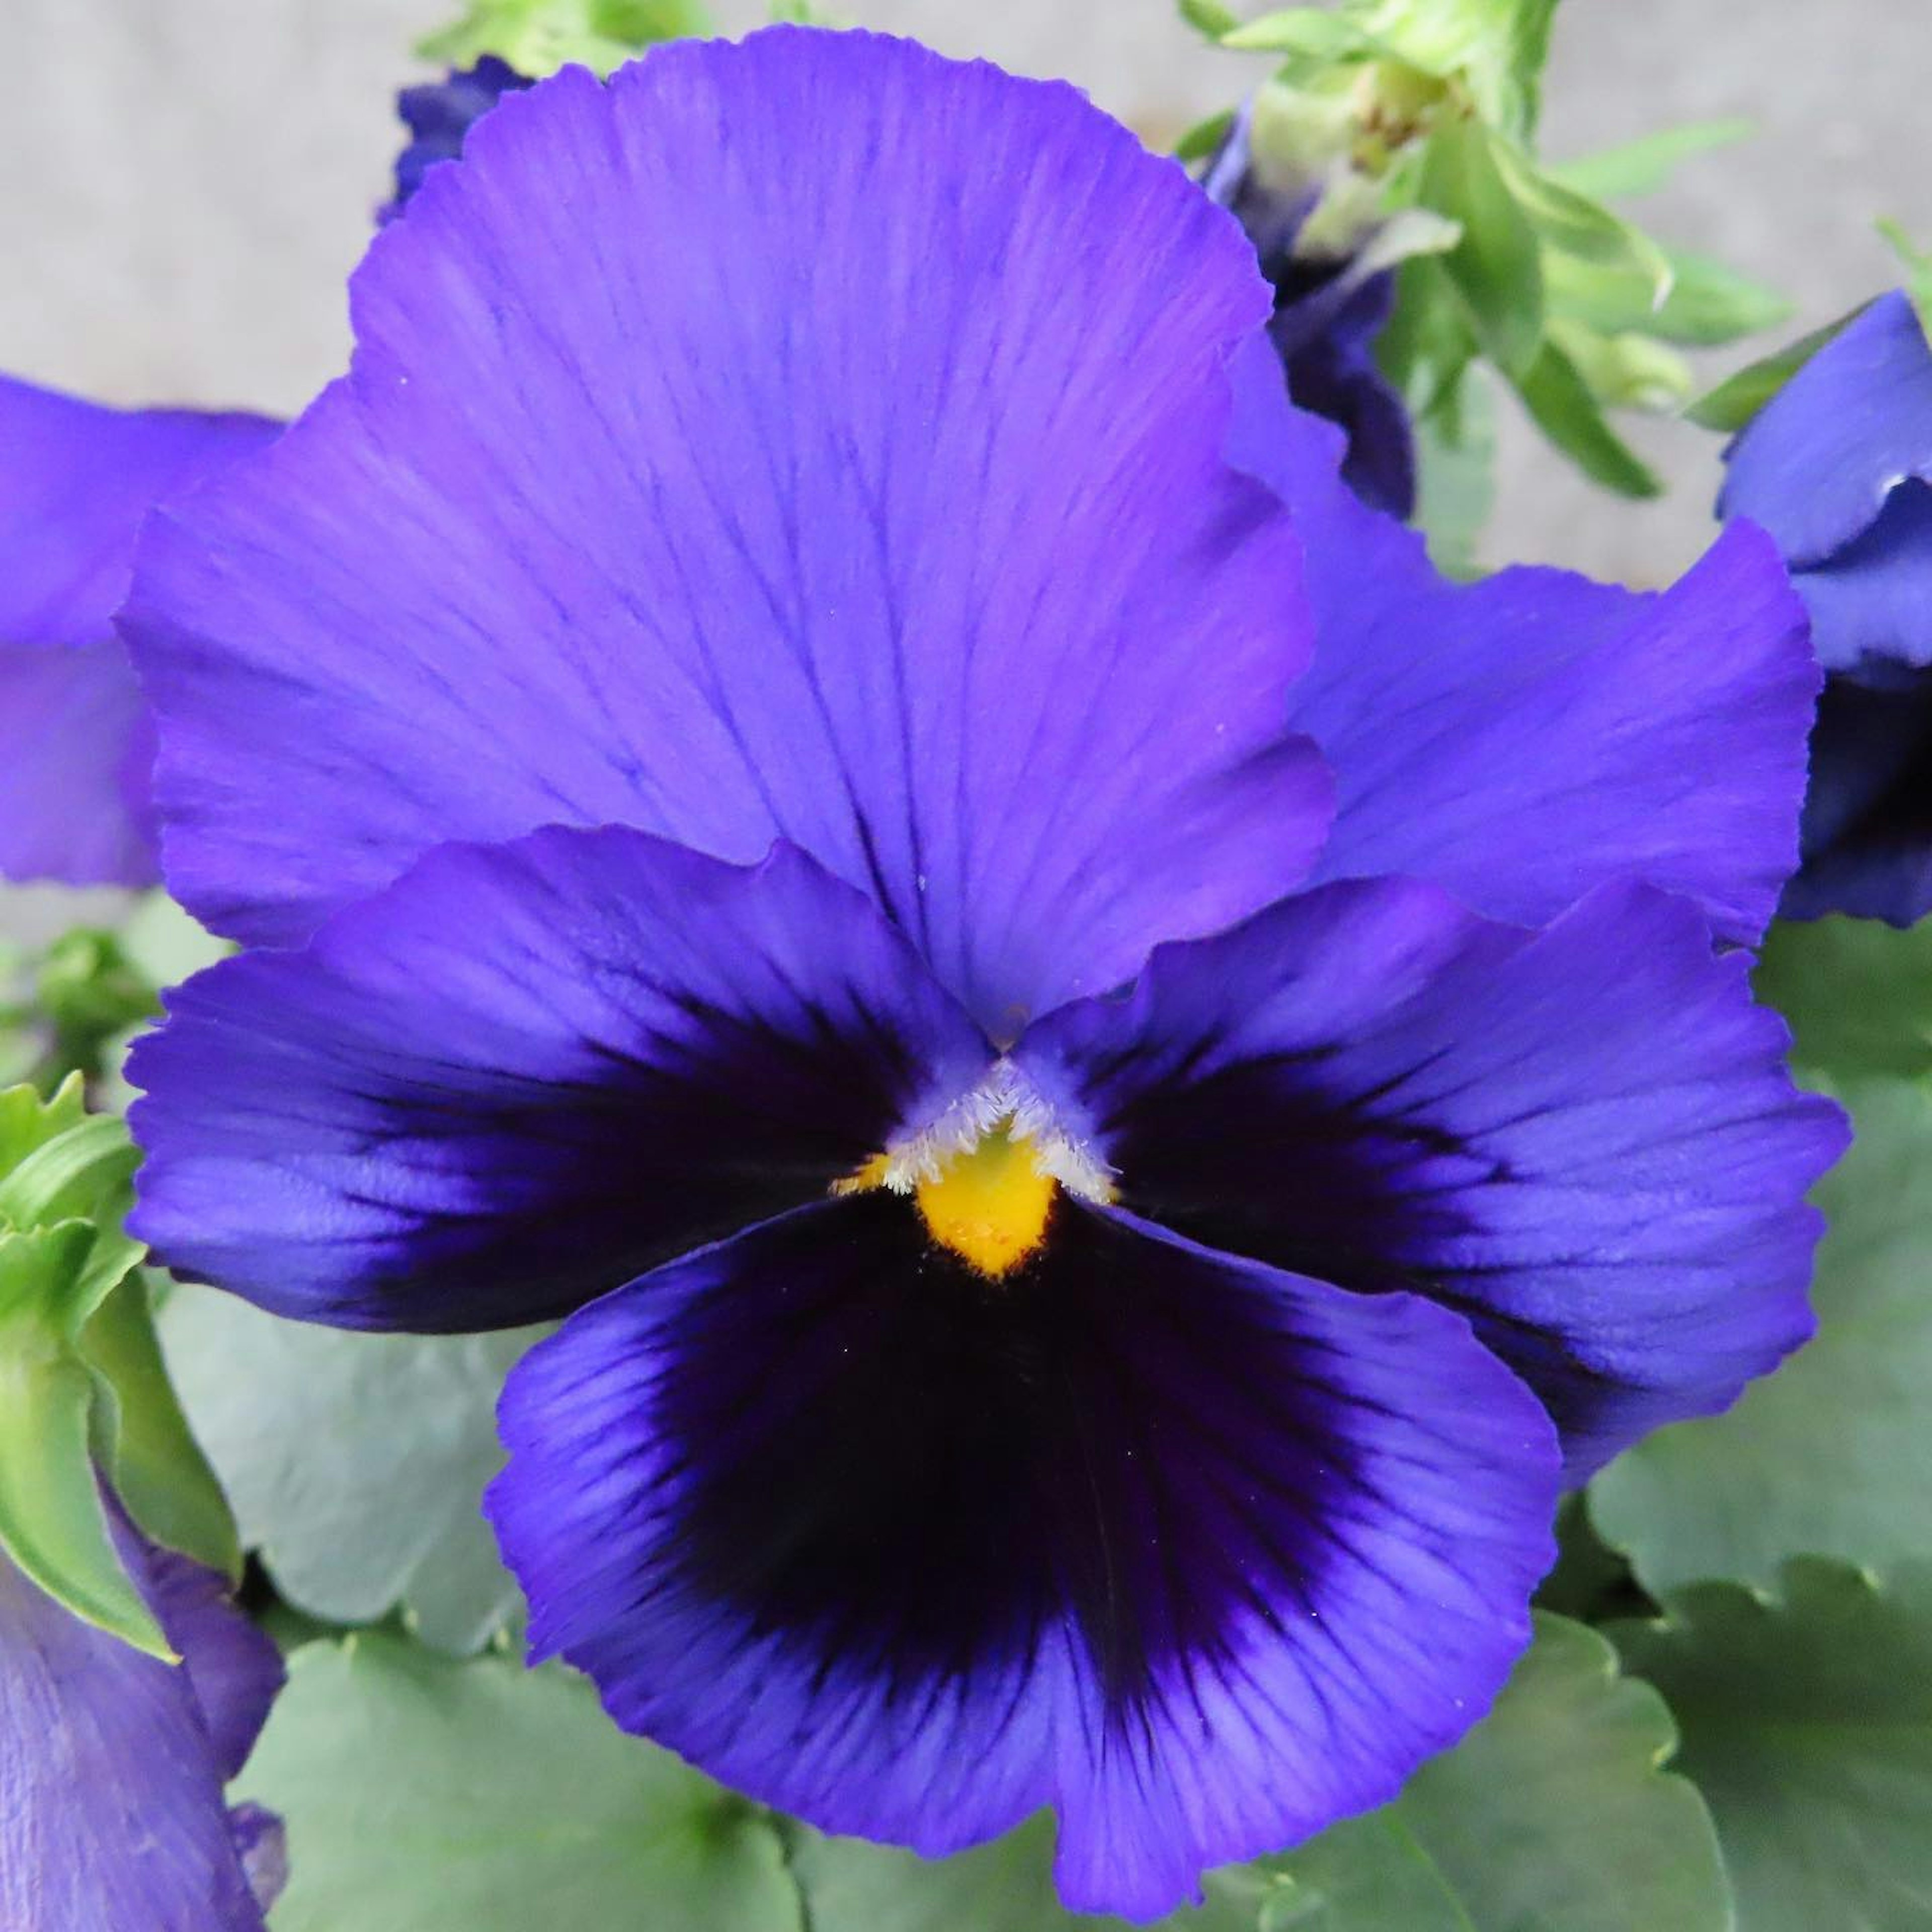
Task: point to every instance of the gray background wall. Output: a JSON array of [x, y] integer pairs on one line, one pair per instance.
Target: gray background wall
[[185, 184]]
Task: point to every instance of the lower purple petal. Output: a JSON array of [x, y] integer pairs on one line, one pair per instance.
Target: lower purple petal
[[1204, 1554]]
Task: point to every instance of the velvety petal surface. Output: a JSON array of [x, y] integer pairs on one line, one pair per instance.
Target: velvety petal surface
[[1202, 1554], [1583, 1139], [112, 1765], [1527, 738], [1815, 465], [76, 480], [808, 436], [525, 1073]]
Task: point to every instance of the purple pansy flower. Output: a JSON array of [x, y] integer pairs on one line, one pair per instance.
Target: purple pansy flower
[[1837, 466], [76, 480], [806, 592], [439, 113], [1328, 310], [112, 1763]]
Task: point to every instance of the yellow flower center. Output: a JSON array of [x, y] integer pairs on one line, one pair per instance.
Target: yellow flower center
[[988, 1202]]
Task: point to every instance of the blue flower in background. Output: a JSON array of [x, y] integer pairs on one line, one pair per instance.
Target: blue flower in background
[[1837, 466], [76, 480], [112, 1763], [1328, 310], [827, 784], [439, 113]]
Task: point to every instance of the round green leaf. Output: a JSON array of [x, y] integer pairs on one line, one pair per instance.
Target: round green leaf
[[1807, 1723], [1006, 1886], [355, 1463], [1552, 1816], [422, 1794], [1830, 1456]]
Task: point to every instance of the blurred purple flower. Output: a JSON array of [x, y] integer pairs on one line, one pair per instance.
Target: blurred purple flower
[[76, 751]]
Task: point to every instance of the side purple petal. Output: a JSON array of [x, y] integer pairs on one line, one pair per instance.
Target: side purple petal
[[75, 480], [525, 1073], [808, 437], [111, 1762], [1584, 1138], [1816, 464], [1525, 740], [1204, 1554]]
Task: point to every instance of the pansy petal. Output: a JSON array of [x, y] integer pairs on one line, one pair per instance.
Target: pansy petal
[[111, 1812], [1203, 1554], [1527, 738], [76, 752], [234, 1668], [524, 1072], [1870, 602], [1583, 1138], [699, 471], [1814, 466], [76, 480]]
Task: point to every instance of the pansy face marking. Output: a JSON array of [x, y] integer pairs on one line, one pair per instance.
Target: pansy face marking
[[985, 1177], [788, 591]]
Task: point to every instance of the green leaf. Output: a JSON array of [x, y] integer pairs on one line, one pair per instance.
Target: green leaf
[[1204, 137], [1497, 48], [1623, 372], [1209, 17], [53, 1524], [423, 1794], [1807, 1724], [1572, 224], [1830, 1456], [1917, 267], [1857, 995], [1732, 403], [1495, 265], [1455, 448], [1646, 164], [1303, 30], [1007, 1886], [537, 36], [1708, 305], [1558, 397], [1552, 1816], [355, 1462], [158, 1468]]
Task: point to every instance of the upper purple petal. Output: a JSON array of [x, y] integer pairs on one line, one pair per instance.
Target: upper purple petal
[[810, 437], [1816, 464], [76, 480], [524, 1073], [111, 1762], [1204, 1554], [1583, 1137], [439, 113], [1525, 740]]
